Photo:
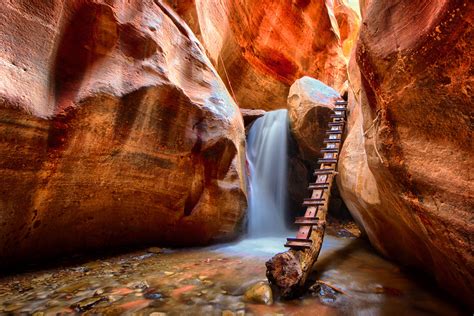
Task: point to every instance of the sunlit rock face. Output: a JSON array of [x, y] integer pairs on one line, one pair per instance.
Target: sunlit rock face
[[261, 47], [115, 130], [408, 180], [349, 23]]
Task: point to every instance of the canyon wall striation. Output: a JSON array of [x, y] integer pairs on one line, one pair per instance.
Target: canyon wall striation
[[115, 129], [406, 165]]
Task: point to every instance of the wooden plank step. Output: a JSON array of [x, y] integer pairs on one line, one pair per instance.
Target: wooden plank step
[[306, 220], [330, 150], [315, 186], [313, 203], [328, 141], [327, 160], [334, 132], [324, 171], [298, 243]]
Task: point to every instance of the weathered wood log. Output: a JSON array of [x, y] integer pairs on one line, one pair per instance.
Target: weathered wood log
[[289, 270]]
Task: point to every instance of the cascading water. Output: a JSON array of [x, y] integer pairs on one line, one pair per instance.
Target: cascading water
[[268, 164]]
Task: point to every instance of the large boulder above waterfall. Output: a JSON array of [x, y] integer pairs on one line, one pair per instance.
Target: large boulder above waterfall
[[310, 103], [261, 47], [405, 165], [116, 130]]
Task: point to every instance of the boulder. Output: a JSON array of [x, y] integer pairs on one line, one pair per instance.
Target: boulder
[[115, 130], [259, 293], [310, 103], [405, 165], [261, 47]]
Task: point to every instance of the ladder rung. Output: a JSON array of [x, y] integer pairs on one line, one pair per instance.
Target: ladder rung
[[339, 116], [298, 243], [321, 186], [334, 132], [313, 203], [330, 150], [314, 199], [340, 109], [340, 102], [306, 220], [336, 123], [327, 140], [324, 171], [327, 160]]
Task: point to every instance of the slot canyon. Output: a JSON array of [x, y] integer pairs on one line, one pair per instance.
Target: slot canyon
[[219, 157]]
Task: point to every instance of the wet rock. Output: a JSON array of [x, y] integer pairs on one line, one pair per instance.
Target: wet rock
[[325, 293], [138, 285], [153, 295], [155, 250], [259, 293], [87, 303], [250, 115]]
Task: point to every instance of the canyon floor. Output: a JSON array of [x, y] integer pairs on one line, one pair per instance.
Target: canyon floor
[[213, 280]]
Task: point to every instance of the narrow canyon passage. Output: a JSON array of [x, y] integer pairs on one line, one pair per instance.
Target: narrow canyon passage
[[222, 157]]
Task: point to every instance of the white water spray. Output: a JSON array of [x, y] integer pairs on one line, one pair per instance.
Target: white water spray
[[268, 162]]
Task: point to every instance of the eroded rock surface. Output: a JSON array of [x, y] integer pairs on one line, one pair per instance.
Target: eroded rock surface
[[261, 47], [310, 103], [405, 169], [115, 130]]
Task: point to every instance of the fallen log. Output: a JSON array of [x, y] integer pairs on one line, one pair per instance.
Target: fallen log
[[289, 270]]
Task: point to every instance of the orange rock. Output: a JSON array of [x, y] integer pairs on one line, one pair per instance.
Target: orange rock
[[349, 24], [407, 181], [261, 47], [116, 130]]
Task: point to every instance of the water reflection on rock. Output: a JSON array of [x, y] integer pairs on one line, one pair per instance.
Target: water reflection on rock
[[349, 279]]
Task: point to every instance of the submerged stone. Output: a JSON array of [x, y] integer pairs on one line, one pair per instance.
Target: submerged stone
[[259, 293]]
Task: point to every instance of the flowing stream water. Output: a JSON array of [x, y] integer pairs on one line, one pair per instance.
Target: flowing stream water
[[268, 162]]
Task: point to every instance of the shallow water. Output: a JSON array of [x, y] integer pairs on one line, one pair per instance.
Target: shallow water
[[210, 281]]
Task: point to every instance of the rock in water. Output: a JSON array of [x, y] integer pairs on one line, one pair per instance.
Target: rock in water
[[406, 165], [259, 293], [261, 47], [116, 130]]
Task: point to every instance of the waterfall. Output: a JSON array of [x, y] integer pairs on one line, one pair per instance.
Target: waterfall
[[268, 164]]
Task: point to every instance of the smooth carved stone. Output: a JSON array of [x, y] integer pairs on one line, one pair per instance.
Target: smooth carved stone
[[261, 47], [112, 132], [259, 293], [310, 104], [404, 169]]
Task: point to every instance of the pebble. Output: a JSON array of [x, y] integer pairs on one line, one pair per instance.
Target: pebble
[[168, 273], [259, 293]]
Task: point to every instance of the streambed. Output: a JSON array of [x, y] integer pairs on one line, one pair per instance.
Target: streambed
[[212, 281]]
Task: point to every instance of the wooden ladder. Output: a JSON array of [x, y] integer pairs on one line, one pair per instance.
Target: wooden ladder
[[324, 178]]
